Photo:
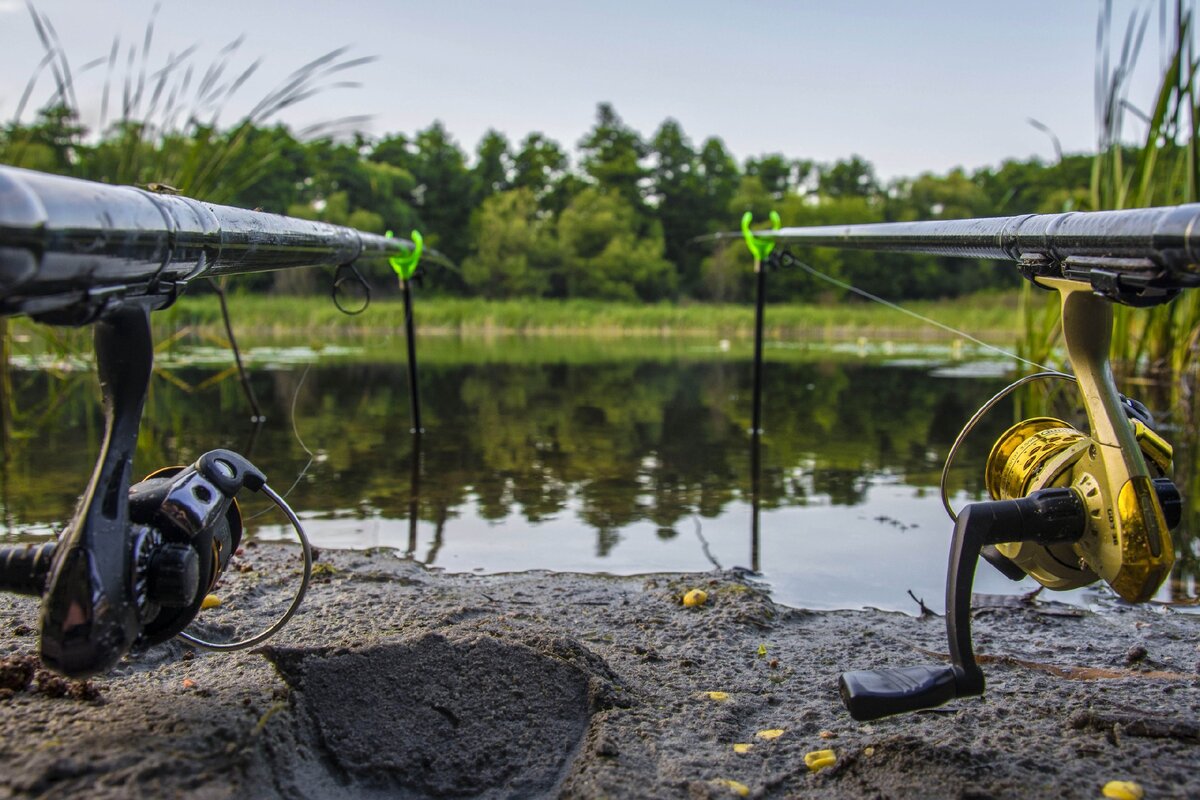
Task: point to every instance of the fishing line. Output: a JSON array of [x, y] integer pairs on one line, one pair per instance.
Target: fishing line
[[295, 431], [704, 544], [816, 273]]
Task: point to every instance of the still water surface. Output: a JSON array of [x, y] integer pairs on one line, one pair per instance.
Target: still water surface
[[626, 459]]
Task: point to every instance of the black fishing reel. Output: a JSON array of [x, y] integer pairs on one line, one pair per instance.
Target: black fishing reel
[[134, 564], [184, 527], [1068, 508]]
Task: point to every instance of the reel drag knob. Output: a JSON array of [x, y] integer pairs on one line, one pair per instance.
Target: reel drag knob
[[173, 576]]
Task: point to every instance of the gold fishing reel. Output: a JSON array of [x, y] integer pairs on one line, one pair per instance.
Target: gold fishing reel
[[1127, 542], [1067, 508], [1120, 468]]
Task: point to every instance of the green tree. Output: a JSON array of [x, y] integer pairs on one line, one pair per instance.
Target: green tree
[[604, 256], [50, 144], [720, 175], [493, 166], [514, 247], [679, 195], [442, 191], [952, 196], [612, 154], [442, 197], [848, 178], [284, 180], [779, 175], [540, 166]]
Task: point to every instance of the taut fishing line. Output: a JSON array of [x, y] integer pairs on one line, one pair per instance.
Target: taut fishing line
[[295, 431], [816, 273]]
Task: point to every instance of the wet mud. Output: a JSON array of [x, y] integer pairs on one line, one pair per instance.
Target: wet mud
[[395, 681]]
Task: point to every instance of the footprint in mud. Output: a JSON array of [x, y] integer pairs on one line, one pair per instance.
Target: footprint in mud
[[476, 717]]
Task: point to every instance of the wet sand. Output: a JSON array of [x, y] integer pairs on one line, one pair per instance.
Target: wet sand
[[394, 681]]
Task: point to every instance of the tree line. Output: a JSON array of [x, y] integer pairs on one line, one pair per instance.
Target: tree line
[[618, 218]]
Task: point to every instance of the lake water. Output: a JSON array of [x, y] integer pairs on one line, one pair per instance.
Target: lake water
[[620, 456]]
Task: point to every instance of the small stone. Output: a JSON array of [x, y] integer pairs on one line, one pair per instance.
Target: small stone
[[606, 747], [1134, 655]]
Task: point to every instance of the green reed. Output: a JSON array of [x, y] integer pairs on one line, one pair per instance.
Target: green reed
[[1163, 168], [166, 129]]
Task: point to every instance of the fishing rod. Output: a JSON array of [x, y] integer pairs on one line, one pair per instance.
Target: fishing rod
[[1136, 257], [1067, 507], [69, 248], [136, 561]]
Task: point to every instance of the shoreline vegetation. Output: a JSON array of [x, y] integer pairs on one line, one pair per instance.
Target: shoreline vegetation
[[991, 316], [451, 328]]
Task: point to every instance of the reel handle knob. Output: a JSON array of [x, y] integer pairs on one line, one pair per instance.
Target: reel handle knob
[[874, 693]]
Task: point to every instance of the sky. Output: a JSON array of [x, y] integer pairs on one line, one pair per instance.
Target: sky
[[923, 85]]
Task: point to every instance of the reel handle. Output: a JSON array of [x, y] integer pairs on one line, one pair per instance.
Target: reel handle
[[1048, 516]]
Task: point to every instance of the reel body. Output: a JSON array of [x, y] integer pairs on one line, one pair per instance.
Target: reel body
[[181, 510], [184, 527], [1045, 452]]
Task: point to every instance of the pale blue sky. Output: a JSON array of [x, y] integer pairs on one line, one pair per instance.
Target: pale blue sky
[[924, 84]]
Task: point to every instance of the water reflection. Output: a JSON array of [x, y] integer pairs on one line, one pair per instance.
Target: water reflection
[[623, 465]]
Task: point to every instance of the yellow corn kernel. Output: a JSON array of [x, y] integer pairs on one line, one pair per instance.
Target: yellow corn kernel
[[210, 601], [695, 598], [742, 748], [820, 759], [772, 733], [1124, 790], [720, 697], [740, 789]]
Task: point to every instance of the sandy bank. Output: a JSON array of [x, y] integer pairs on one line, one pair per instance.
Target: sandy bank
[[398, 682]]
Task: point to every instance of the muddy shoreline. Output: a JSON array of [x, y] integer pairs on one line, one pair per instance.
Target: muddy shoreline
[[394, 681]]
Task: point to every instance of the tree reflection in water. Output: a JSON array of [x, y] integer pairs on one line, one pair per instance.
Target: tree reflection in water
[[597, 449]]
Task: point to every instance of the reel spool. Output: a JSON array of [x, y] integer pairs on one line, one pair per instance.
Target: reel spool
[[1046, 452]]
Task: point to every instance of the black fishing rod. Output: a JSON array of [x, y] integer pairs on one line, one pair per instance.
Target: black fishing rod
[[136, 561], [69, 247], [1138, 257], [1067, 507]]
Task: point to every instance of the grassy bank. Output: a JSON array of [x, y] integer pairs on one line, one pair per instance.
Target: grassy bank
[[458, 328], [991, 316]]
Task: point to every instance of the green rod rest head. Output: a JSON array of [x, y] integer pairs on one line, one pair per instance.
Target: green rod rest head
[[405, 264], [759, 248]]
